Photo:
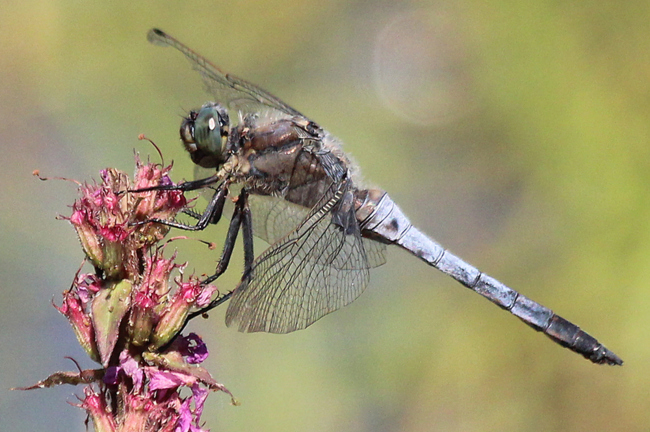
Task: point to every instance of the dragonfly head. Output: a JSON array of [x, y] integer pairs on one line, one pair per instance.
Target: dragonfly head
[[205, 135]]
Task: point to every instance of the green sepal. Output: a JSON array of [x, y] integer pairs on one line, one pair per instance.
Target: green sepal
[[108, 309]]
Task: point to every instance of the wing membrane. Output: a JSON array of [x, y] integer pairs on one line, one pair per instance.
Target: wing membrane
[[314, 270], [375, 253], [274, 217], [228, 89]]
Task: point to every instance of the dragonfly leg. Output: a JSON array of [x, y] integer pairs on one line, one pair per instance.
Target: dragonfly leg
[[185, 186], [247, 236], [211, 214], [241, 219]]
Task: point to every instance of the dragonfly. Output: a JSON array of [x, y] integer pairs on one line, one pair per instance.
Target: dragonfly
[[295, 188]]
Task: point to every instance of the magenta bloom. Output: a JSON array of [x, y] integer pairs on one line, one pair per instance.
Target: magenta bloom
[[128, 314], [192, 348], [106, 217]]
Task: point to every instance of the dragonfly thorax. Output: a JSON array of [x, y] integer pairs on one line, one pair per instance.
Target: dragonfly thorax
[[204, 134]]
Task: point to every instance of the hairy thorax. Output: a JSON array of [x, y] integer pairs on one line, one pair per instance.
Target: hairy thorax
[[286, 158]]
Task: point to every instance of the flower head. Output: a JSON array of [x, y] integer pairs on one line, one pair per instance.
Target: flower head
[[129, 313], [109, 219]]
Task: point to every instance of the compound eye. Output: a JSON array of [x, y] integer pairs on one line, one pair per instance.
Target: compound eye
[[205, 135]]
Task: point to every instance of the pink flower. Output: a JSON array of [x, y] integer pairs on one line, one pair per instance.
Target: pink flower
[[74, 309], [106, 217], [173, 318], [128, 314]]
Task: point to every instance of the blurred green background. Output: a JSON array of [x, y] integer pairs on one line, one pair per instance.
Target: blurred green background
[[515, 133]]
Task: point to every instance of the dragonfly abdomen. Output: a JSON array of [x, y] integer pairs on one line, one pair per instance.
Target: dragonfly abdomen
[[382, 219]]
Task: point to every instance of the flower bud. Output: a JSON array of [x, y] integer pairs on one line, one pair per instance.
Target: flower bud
[[73, 310], [153, 287], [173, 318], [95, 406], [108, 308]]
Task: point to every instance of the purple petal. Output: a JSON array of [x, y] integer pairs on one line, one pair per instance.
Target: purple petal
[[164, 380], [199, 395], [110, 377], [185, 418], [168, 380], [165, 180], [131, 367], [193, 347], [87, 286]]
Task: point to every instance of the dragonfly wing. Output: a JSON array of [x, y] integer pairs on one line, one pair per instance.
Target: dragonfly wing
[[314, 270], [274, 217], [228, 89], [375, 253]]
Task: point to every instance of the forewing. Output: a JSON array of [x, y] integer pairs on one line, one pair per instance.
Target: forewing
[[314, 270], [229, 90]]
